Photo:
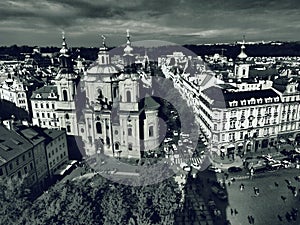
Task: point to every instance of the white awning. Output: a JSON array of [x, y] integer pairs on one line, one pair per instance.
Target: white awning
[[231, 146], [291, 139], [282, 140]]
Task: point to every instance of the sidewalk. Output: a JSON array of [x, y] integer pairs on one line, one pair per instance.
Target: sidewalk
[[226, 163], [238, 161]]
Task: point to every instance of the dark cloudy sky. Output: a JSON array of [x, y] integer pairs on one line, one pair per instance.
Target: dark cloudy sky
[[40, 22]]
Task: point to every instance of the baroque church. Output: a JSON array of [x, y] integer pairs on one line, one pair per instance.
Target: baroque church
[[110, 109]]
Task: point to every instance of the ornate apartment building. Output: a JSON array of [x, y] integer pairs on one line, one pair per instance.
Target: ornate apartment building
[[13, 90], [243, 115]]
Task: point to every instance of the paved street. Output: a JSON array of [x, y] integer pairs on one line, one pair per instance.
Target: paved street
[[266, 207], [275, 198]]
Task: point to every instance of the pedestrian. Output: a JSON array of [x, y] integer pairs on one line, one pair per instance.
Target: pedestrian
[[288, 182], [279, 217], [255, 190], [241, 187], [235, 212], [283, 198], [231, 212], [226, 175], [252, 219], [249, 219]]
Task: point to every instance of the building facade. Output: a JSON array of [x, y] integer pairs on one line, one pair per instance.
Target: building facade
[[243, 114], [118, 118], [13, 90]]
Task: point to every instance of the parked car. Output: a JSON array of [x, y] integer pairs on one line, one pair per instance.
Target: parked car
[[274, 165], [259, 168], [234, 169], [286, 163]]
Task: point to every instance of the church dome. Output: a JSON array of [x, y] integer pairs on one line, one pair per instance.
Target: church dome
[[107, 69], [242, 55], [102, 65]]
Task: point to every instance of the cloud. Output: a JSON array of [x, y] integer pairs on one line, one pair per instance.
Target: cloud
[[188, 20]]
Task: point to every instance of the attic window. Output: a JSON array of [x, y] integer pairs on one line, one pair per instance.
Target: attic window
[[243, 102], [38, 96], [16, 141], [6, 148], [52, 94]]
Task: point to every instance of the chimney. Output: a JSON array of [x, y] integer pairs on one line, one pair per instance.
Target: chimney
[[10, 124]]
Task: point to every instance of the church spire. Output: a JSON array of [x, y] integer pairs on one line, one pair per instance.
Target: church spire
[[64, 49], [243, 55], [64, 58], [103, 48], [128, 49], [103, 56]]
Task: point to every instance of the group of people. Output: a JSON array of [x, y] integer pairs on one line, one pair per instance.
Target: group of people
[[233, 212], [251, 219]]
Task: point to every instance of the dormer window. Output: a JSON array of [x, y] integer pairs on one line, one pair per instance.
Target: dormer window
[[243, 102], [52, 95], [38, 96]]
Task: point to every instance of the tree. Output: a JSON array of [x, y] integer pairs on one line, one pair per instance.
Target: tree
[[114, 207], [14, 201]]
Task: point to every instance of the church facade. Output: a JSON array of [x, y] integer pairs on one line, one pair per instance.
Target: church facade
[[110, 109]]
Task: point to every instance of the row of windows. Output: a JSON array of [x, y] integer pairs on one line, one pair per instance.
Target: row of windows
[[57, 140], [22, 158], [49, 123], [52, 163], [48, 115], [47, 105], [25, 170], [61, 147], [21, 95]]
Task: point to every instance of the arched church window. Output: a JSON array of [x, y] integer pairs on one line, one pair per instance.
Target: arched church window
[[107, 140], [68, 128], [100, 96], [129, 131], [115, 92], [130, 146], [117, 146], [244, 72], [65, 95], [128, 96], [67, 116], [103, 60], [99, 128], [151, 131]]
